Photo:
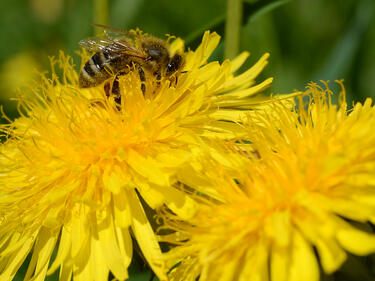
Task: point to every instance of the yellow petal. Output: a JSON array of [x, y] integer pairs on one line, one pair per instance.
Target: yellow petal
[[331, 255], [238, 61], [248, 75], [112, 179], [356, 241], [63, 251], [122, 211], [280, 263], [304, 265], [145, 236], [257, 266], [173, 158], [230, 270], [42, 252], [98, 261], [79, 230], [236, 96], [16, 259], [148, 168], [125, 244], [278, 228], [179, 202], [204, 50], [66, 271], [111, 252], [229, 114], [176, 45], [153, 197], [83, 265]]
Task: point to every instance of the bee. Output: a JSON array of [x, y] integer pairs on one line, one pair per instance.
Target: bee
[[118, 52]]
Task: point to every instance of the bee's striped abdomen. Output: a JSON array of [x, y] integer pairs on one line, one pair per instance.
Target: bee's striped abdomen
[[96, 70]]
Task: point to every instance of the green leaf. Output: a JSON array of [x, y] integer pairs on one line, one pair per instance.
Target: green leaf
[[342, 55], [252, 9], [264, 9]]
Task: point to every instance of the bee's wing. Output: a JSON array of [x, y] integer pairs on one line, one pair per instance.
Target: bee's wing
[[115, 34], [105, 44], [99, 43]]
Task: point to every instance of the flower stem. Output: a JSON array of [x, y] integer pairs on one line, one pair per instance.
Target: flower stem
[[233, 28], [101, 14]]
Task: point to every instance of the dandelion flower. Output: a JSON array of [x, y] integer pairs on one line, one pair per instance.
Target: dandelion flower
[[301, 197], [75, 164]]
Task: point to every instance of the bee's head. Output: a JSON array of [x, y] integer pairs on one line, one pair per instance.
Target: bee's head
[[155, 51]]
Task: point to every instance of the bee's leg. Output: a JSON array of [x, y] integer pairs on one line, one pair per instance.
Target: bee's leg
[[142, 77], [174, 78], [107, 88], [116, 87], [158, 77]]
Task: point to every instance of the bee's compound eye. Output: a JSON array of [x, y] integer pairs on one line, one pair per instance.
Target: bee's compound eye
[[174, 63], [171, 66]]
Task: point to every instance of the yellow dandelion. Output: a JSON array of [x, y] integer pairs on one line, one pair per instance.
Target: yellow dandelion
[[75, 164], [309, 185]]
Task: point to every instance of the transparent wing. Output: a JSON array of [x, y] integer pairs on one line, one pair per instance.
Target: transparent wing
[[101, 43], [114, 40], [105, 44], [113, 32], [116, 35]]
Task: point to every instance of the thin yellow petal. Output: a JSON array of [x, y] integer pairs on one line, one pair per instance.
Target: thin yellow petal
[[63, 250], [146, 237], [257, 263], [122, 211], [66, 271], [111, 252], [356, 241], [331, 254], [236, 96], [238, 61], [180, 203], [177, 45], [112, 179], [249, 74], [15, 261], [42, 252], [125, 245], [304, 265], [280, 263], [148, 168], [83, 263], [99, 261], [80, 237]]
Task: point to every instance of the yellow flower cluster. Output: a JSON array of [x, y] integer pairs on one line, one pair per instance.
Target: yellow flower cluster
[[306, 181], [245, 185]]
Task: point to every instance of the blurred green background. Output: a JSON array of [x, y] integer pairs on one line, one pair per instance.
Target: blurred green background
[[308, 40]]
